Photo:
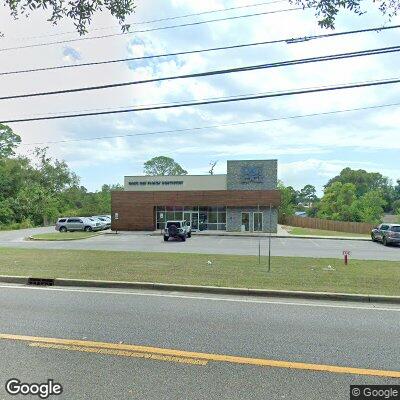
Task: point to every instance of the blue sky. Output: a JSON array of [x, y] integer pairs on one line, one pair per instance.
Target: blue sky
[[309, 150]]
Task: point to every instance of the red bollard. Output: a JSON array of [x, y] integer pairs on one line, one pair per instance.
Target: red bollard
[[346, 254]]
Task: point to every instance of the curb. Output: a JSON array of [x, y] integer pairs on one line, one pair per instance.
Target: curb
[[64, 240], [63, 282]]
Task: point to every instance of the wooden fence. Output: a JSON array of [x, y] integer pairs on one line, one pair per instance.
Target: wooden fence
[[325, 224]]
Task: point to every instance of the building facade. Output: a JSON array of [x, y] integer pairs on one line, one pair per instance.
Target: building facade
[[245, 199]]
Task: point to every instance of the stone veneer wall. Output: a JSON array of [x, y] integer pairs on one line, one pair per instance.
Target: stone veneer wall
[[234, 218], [267, 180]]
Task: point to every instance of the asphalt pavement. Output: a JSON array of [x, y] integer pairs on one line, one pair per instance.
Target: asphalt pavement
[[141, 241], [357, 337]]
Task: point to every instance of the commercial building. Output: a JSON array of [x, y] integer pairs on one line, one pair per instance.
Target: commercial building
[[245, 199]]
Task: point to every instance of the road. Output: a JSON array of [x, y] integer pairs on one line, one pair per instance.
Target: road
[[287, 332], [294, 247]]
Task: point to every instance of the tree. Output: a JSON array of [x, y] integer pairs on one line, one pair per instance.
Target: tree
[[336, 202], [80, 12], [369, 207], [288, 200], [212, 166], [8, 141], [307, 195], [366, 181], [327, 10], [163, 166], [397, 190]]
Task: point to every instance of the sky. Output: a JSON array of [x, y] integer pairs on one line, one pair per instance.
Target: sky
[[310, 150]]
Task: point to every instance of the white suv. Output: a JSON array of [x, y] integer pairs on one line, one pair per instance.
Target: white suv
[[177, 229]]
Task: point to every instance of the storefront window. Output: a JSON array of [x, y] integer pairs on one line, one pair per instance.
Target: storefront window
[[201, 218], [212, 217]]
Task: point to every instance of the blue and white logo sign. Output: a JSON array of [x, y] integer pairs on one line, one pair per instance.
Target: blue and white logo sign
[[251, 175]]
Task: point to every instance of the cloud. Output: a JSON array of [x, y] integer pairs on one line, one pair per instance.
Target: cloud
[[71, 55], [309, 150]]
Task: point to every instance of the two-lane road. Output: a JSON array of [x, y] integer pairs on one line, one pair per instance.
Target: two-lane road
[[158, 345]]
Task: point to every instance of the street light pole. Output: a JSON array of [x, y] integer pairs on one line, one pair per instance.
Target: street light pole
[[269, 238]]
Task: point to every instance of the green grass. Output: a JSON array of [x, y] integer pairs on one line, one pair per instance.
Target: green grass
[[57, 236], [320, 232], [288, 273]]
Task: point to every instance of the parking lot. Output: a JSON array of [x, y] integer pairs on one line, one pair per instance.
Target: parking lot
[[142, 241]]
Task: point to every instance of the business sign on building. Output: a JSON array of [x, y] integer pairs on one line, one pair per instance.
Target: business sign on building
[[252, 175]]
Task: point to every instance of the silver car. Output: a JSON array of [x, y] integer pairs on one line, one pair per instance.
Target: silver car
[[70, 224]]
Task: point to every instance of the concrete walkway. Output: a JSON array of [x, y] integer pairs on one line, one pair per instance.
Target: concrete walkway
[[281, 233]]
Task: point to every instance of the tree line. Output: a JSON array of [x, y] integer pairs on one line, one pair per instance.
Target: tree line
[[353, 195], [36, 190]]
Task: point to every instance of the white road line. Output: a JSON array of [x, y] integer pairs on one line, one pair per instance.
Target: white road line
[[286, 303]]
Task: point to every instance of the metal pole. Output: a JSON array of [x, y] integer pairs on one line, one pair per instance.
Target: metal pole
[[259, 239], [269, 238]]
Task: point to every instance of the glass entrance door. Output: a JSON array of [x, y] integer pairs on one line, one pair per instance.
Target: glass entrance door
[[257, 222], [193, 218], [195, 221], [245, 222]]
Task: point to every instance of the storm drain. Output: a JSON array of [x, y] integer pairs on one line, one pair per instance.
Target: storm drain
[[41, 281]]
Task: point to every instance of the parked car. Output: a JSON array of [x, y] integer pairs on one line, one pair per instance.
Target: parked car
[[386, 233], [70, 224], [177, 229], [104, 216], [105, 221]]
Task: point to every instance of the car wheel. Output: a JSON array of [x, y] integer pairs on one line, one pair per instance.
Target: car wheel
[[189, 234], [166, 238], [385, 242], [184, 238], [63, 229], [88, 229]]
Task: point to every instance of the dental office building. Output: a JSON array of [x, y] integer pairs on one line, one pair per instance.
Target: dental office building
[[245, 199]]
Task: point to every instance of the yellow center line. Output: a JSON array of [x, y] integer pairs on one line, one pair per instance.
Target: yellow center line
[[86, 344], [121, 353]]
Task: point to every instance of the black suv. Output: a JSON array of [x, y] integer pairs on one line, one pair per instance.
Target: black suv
[[386, 233]]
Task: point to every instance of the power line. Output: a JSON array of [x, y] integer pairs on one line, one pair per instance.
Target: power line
[[287, 40], [150, 29], [215, 72], [197, 103], [214, 126], [158, 20]]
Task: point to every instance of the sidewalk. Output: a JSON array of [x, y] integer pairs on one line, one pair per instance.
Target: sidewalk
[[281, 233]]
